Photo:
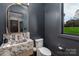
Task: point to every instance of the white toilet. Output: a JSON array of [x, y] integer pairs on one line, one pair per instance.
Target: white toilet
[[41, 51]]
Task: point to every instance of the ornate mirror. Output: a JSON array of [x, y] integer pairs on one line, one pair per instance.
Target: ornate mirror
[[17, 18]]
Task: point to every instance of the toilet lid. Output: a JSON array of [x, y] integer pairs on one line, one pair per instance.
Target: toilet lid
[[45, 51]]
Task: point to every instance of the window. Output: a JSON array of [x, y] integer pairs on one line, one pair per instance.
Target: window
[[71, 18]]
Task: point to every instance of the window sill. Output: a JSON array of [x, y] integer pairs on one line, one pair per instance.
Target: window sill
[[66, 36]]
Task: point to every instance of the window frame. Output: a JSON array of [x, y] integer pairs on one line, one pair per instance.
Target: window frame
[[63, 35]]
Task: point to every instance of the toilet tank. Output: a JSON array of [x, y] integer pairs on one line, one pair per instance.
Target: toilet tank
[[39, 43]]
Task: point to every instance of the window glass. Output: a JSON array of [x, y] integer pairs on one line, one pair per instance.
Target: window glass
[[71, 18]]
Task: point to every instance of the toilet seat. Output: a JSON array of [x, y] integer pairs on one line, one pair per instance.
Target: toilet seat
[[45, 51]]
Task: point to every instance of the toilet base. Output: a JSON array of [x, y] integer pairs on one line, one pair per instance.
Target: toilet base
[[43, 51]]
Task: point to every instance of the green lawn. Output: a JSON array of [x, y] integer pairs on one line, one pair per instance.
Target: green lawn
[[71, 30]]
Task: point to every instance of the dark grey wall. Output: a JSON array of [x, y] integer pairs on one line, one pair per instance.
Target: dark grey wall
[[2, 19], [52, 24], [36, 20]]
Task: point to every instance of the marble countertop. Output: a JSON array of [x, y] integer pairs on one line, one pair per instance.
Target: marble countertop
[[14, 49]]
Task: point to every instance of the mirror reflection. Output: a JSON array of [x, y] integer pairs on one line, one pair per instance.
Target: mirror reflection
[[17, 18]]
